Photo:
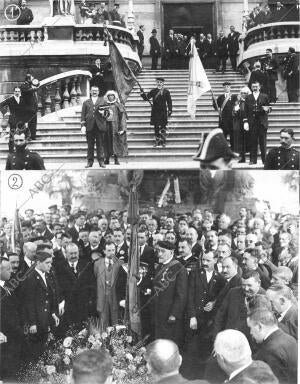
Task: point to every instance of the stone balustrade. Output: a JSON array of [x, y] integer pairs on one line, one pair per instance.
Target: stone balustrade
[[22, 33], [63, 91], [272, 31]]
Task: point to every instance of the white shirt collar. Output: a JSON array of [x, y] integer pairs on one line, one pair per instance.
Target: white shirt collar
[[2, 282], [270, 333], [166, 262], [237, 371], [74, 264], [120, 246], [28, 261], [208, 275], [42, 274], [284, 313], [187, 257], [17, 99], [94, 99]]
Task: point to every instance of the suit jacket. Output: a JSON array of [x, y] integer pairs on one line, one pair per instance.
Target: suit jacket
[[254, 111], [197, 252], [39, 302], [74, 233], [289, 324], [48, 235], [116, 292], [154, 47], [16, 110], [200, 292], [221, 47], [260, 76], [233, 43], [30, 99], [232, 314], [210, 48], [122, 254], [171, 44], [90, 115], [249, 372], [148, 256], [178, 379], [141, 37], [226, 113], [236, 281], [279, 351]]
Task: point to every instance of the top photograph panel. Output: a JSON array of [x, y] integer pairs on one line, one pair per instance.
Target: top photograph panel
[[155, 84]]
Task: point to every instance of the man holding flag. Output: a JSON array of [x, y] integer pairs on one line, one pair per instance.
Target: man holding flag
[[198, 81]]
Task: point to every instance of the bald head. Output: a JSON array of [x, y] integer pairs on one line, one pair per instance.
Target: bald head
[[163, 358], [232, 349], [29, 250]]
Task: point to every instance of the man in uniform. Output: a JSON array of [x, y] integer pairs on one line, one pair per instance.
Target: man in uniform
[[224, 105], [215, 152], [285, 156], [22, 158], [161, 110], [170, 295], [233, 46], [155, 50], [291, 74]]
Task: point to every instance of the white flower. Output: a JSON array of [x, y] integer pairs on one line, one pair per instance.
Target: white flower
[[129, 356], [104, 335], [91, 339], [50, 369], [67, 342], [131, 367], [97, 336], [109, 329], [82, 333], [97, 344], [68, 352], [120, 327]]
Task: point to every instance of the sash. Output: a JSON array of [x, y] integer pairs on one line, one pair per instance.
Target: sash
[[225, 102]]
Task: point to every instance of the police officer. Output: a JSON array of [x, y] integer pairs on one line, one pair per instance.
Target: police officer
[[285, 156], [22, 158]]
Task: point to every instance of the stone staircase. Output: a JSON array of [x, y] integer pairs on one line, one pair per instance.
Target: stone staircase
[[59, 139]]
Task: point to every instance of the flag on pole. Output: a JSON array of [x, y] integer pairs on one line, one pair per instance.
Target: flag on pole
[[133, 296], [16, 233], [198, 81], [123, 75]]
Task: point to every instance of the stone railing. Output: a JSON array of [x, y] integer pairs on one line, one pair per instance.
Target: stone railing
[[96, 32], [63, 91], [272, 31], [20, 33]]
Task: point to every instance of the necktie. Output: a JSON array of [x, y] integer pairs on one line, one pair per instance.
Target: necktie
[[73, 267], [141, 250], [109, 267]]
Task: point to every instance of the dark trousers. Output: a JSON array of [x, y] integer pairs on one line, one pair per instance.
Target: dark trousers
[[37, 345], [271, 91], [160, 134], [140, 51], [292, 88], [95, 136], [233, 61], [10, 359], [170, 60], [258, 136], [32, 126], [221, 60], [227, 128], [154, 62]]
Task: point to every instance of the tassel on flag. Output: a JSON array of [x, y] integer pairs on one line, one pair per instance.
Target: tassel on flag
[[198, 81]]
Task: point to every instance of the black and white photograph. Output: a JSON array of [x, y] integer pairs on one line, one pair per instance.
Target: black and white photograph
[[149, 276]]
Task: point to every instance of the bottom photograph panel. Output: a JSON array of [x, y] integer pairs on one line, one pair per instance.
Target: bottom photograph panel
[[149, 276]]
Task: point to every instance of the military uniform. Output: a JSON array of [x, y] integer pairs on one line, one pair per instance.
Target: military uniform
[[24, 160], [282, 158]]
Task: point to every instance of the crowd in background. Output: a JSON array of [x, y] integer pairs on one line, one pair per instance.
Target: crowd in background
[[71, 248]]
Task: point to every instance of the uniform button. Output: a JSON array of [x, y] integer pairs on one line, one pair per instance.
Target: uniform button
[[45, 309], [14, 163], [27, 156], [46, 301]]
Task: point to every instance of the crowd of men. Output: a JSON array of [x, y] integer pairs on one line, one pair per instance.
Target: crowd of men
[[264, 13], [94, 15], [200, 274]]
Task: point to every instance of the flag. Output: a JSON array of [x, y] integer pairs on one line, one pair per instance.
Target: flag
[[123, 75], [16, 233], [198, 81], [133, 296]]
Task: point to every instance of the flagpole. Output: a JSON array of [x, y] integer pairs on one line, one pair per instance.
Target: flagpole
[[214, 100], [138, 83]]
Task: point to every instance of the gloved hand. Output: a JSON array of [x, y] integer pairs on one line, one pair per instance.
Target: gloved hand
[[246, 126], [83, 129]]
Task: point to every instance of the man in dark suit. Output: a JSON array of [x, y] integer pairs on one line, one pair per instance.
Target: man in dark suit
[[10, 326], [164, 361], [28, 91], [114, 14], [224, 105], [284, 306], [15, 104], [40, 306], [256, 121], [257, 75], [209, 56], [93, 125], [155, 50], [200, 45], [68, 273], [291, 74], [141, 46], [250, 263], [26, 15], [233, 46], [204, 285], [42, 230], [97, 76], [185, 255], [232, 313], [161, 110], [234, 357], [233, 279], [121, 245], [221, 50], [111, 286], [196, 247], [276, 348], [80, 219], [29, 252], [170, 295], [147, 253], [171, 50], [270, 66]]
